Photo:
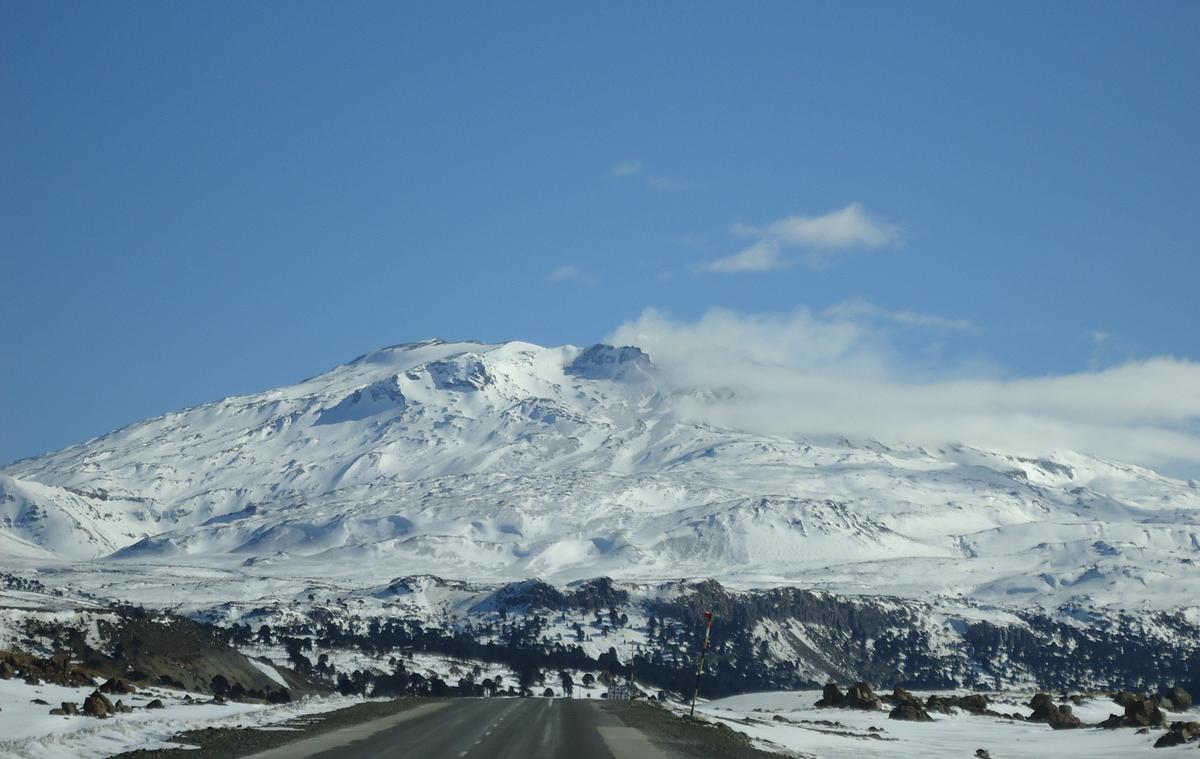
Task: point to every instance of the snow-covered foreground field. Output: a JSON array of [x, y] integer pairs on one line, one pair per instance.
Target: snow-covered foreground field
[[27, 730], [806, 730]]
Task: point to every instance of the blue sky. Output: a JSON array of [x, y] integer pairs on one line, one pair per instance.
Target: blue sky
[[208, 199]]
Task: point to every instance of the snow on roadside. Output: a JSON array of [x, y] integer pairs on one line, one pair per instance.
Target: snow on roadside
[[30, 732], [807, 730]]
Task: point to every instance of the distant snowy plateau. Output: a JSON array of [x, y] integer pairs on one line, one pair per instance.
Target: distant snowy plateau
[[483, 465]]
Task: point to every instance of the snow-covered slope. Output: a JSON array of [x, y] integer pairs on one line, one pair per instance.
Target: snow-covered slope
[[501, 461]]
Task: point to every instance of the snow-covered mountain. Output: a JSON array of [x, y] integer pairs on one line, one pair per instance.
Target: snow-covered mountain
[[495, 462]]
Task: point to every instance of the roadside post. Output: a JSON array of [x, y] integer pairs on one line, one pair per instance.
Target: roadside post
[[708, 623]]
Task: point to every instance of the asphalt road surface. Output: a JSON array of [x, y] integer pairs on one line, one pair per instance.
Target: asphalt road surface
[[495, 728]]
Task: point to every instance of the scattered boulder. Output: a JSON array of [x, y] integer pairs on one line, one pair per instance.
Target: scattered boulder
[[39, 702], [900, 696], [982, 753], [70, 707], [1063, 719], [1045, 710], [1179, 734], [860, 696], [156, 704], [96, 705], [7, 670], [910, 711], [1125, 698], [1178, 699], [1139, 712], [831, 696], [1144, 713], [121, 708], [976, 703], [117, 687], [939, 704]]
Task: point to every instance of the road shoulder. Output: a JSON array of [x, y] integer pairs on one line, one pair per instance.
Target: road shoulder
[[678, 736], [231, 742]]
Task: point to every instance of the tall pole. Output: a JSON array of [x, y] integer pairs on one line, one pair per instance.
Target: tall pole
[[708, 623]]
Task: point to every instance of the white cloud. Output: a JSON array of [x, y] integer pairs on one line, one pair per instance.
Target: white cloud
[[625, 169], [819, 239], [833, 373], [761, 256], [849, 227]]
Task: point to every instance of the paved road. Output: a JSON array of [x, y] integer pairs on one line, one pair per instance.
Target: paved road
[[496, 728]]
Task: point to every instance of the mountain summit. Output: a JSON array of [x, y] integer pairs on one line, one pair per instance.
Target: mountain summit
[[472, 460]]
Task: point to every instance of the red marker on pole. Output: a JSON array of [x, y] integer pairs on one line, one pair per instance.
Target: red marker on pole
[[708, 623]]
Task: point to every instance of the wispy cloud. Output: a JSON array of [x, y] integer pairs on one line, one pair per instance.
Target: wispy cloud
[[818, 240], [834, 373], [567, 273], [625, 169], [628, 169], [858, 309], [1102, 348], [672, 184]]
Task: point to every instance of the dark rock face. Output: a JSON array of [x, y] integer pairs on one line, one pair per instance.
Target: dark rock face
[[910, 711], [155, 704], [1045, 710], [70, 707], [610, 362], [1179, 699]]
